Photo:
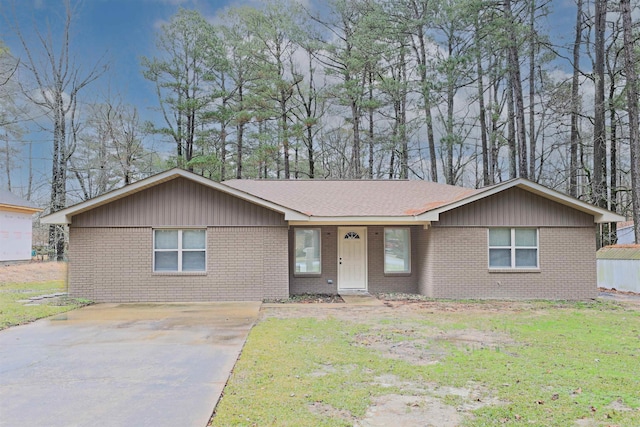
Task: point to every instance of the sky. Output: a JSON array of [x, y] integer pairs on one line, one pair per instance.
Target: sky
[[120, 32], [116, 31]]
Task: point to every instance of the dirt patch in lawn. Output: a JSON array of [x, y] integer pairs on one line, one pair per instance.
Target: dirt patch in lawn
[[326, 410], [392, 334], [33, 272], [429, 348]]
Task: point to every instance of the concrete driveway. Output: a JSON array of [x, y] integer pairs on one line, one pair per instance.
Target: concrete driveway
[[122, 364]]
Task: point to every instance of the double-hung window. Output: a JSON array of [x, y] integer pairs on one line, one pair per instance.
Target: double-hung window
[[397, 250], [513, 248], [179, 250], [308, 255]]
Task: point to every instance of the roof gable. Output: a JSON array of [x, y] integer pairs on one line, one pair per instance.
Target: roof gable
[[599, 215], [178, 202], [514, 207], [64, 216]]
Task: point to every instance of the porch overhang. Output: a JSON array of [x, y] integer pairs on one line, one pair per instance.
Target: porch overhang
[[361, 220]]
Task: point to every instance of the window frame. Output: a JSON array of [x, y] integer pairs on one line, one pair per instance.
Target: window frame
[[297, 273], [513, 248], [180, 250], [384, 251]]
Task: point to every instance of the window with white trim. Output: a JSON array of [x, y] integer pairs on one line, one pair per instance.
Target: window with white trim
[[307, 253], [179, 250], [513, 248], [397, 250]]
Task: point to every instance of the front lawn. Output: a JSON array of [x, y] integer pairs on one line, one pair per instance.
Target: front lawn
[[15, 310], [446, 363]]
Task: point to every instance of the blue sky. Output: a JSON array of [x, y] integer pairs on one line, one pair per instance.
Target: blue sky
[[119, 31], [116, 31]]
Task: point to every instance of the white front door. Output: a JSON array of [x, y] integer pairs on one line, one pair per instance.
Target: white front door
[[352, 258]]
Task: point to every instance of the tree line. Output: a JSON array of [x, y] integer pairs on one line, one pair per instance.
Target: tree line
[[464, 92]]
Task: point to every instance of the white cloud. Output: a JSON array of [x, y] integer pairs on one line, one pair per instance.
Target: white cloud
[[159, 23]]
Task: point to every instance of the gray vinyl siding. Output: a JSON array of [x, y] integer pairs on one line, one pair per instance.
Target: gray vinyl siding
[[179, 203], [515, 207]]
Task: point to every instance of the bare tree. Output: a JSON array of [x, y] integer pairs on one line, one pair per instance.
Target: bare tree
[[575, 105], [58, 81], [632, 99], [599, 181], [110, 150]]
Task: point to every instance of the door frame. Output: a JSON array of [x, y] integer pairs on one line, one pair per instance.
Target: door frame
[[362, 230]]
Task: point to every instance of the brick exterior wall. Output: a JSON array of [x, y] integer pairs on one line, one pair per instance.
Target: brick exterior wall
[[115, 265], [316, 284], [457, 266], [377, 281]]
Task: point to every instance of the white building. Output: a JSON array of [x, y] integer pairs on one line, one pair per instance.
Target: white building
[[15, 227], [619, 267], [625, 233]]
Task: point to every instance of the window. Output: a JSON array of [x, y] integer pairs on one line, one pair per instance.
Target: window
[[513, 248], [397, 250], [307, 244], [179, 250]]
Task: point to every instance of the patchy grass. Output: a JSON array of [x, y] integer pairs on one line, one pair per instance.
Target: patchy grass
[[13, 310], [471, 364]]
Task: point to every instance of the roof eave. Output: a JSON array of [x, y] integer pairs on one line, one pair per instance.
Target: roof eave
[[17, 208], [360, 220]]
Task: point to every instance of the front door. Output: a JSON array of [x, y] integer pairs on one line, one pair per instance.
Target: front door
[[352, 258]]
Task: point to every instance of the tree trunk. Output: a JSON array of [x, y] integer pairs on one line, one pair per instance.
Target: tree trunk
[[404, 143], [421, 54], [632, 100], [240, 135], [285, 136], [30, 182], [7, 164], [511, 132], [599, 183], [483, 117], [516, 88], [575, 106], [532, 113], [613, 159], [371, 125]]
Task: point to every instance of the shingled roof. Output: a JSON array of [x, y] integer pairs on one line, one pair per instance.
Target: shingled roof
[[356, 198], [351, 201], [9, 199]]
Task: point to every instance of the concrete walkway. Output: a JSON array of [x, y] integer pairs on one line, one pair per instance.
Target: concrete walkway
[[122, 364], [361, 299]]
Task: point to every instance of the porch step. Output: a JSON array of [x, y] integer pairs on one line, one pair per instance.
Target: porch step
[[361, 299]]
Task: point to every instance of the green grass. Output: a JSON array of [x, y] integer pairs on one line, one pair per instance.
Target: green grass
[[13, 312], [561, 362]]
